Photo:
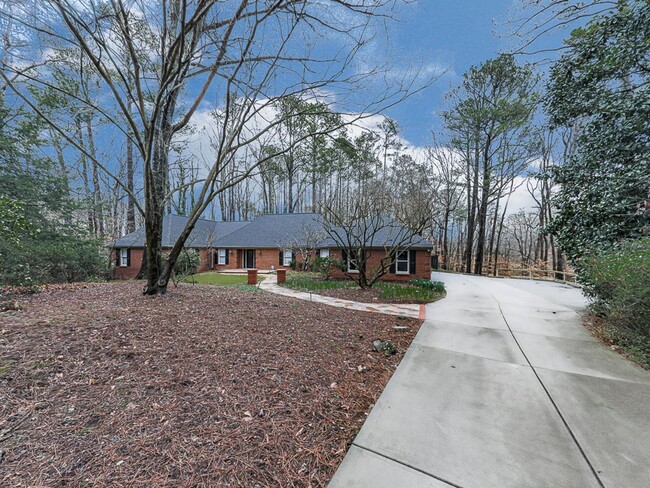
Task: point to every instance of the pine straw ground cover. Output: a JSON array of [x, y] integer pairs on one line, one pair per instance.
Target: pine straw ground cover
[[208, 386]]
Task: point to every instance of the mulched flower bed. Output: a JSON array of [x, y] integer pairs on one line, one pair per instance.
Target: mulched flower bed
[[207, 386]]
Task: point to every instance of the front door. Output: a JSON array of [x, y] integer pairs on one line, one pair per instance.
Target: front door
[[249, 258]]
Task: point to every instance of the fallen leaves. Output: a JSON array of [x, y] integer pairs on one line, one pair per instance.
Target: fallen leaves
[[207, 386]]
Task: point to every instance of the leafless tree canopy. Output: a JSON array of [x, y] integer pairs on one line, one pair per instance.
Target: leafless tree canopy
[[533, 20], [369, 228], [144, 68]]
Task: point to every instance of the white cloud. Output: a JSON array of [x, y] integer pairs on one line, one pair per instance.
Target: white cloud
[[200, 143]]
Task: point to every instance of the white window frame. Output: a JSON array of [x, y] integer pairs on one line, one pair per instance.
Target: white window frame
[[407, 260], [287, 257], [221, 256], [324, 253], [350, 260], [124, 257]]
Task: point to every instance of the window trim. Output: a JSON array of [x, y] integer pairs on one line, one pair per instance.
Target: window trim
[[407, 260], [352, 260], [320, 253], [221, 262], [124, 258], [285, 253]]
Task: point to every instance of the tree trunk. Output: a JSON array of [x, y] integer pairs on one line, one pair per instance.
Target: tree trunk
[[445, 241], [483, 209], [492, 235], [130, 204], [156, 182], [90, 214], [472, 198], [482, 223], [97, 190]]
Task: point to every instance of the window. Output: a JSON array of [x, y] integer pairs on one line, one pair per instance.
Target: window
[[324, 253], [221, 257], [353, 263], [124, 257], [402, 262], [287, 258]]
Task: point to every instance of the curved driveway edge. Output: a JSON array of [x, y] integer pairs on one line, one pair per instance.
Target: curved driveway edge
[[413, 311], [503, 387]]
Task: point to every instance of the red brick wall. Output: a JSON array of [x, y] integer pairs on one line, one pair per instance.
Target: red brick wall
[[264, 259], [267, 258], [422, 265], [130, 272], [204, 261]]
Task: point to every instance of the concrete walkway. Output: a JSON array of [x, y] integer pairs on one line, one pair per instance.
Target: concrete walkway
[[503, 387], [270, 284]]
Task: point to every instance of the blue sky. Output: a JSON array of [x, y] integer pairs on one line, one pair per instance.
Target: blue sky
[[452, 33]]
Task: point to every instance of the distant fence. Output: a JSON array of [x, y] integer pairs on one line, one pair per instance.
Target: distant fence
[[537, 274]]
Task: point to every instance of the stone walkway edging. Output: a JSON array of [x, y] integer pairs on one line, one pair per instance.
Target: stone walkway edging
[[414, 311]]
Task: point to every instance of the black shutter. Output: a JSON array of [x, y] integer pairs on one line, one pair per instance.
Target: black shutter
[[117, 257], [344, 256], [128, 257], [227, 256], [412, 261], [392, 263], [293, 256], [280, 260]]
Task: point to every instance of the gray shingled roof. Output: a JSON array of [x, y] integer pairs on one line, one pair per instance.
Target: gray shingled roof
[[282, 229], [271, 231], [204, 234]]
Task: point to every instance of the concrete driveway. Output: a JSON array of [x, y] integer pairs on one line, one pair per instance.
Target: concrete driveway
[[503, 387]]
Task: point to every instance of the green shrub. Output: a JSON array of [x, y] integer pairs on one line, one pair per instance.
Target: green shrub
[[187, 263], [324, 266], [59, 258], [618, 280], [437, 286]]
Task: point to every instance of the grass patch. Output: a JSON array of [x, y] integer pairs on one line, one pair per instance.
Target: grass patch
[[219, 279], [309, 283], [4, 369]]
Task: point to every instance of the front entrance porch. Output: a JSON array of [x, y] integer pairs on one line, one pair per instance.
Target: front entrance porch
[[246, 258]]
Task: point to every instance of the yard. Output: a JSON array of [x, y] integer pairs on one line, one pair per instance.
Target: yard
[[381, 292], [220, 279], [207, 386]]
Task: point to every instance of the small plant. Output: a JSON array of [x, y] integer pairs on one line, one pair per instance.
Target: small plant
[[306, 283], [437, 286], [406, 292], [324, 266]]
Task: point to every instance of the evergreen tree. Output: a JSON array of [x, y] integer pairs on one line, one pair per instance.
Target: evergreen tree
[[42, 241], [602, 87]]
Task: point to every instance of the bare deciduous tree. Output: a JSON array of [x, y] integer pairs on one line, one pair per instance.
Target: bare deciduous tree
[[305, 243], [157, 61], [368, 230]]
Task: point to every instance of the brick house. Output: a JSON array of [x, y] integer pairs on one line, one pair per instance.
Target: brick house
[[267, 243]]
